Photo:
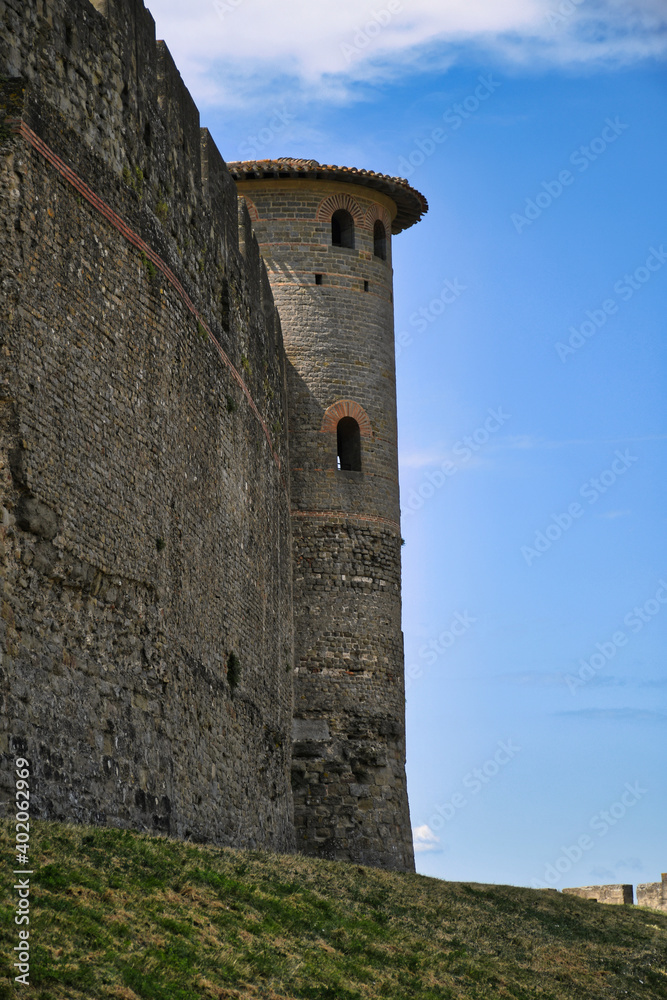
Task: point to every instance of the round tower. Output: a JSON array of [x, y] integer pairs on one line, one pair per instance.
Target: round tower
[[325, 235]]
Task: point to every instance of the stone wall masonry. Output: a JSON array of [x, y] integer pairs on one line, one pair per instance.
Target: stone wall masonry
[[349, 781], [145, 531], [650, 894], [352, 354], [653, 894], [195, 600], [618, 894], [349, 784]]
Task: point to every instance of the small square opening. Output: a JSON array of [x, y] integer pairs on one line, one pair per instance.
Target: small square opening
[[318, 279]]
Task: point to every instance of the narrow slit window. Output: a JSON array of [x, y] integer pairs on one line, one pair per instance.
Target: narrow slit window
[[342, 229], [318, 279], [366, 286], [380, 240], [349, 445]]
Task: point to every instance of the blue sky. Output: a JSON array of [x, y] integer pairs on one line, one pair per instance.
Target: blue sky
[[530, 317]]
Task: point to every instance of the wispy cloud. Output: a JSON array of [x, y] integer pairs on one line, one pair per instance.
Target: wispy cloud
[[616, 715], [438, 454], [522, 442], [441, 456], [421, 459], [533, 678], [612, 873], [545, 678], [540, 678], [425, 839], [528, 442], [259, 41]]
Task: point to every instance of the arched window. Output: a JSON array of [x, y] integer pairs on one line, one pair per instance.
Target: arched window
[[349, 445], [380, 240], [342, 229]]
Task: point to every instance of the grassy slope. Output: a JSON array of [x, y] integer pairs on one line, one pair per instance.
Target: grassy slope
[[115, 914]]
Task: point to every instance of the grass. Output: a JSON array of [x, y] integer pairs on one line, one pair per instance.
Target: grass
[[119, 915]]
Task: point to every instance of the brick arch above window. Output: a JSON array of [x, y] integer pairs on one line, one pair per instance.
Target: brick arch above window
[[377, 213], [252, 208], [346, 408], [331, 204]]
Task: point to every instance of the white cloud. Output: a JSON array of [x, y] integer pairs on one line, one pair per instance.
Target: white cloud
[[424, 839], [624, 865], [332, 43]]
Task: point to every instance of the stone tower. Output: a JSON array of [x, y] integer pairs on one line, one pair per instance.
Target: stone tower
[[325, 236]]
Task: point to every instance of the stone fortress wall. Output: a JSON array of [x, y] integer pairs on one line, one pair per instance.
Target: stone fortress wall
[[145, 546], [180, 556], [653, 895]]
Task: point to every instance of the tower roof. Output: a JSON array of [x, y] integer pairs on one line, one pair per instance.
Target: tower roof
[[411, 205]]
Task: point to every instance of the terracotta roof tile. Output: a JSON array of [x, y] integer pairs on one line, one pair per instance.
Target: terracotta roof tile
[[411, 204]]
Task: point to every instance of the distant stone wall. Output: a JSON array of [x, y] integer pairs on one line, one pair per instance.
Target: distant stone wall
[[650, 894], [653, 894], [618, 894], [145, 541]]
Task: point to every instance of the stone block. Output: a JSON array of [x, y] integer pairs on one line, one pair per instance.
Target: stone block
[[35, 516], [310, 729]]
